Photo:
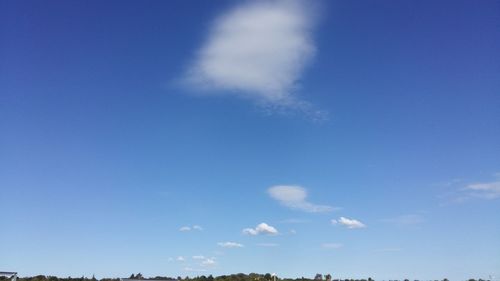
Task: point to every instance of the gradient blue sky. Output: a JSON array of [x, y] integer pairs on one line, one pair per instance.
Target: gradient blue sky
[[105, 155]]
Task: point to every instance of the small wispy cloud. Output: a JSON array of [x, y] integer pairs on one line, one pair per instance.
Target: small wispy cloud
[[258, 51], [348, 223], [190, 228], [331, 245], [262, 228], [295, 197], [484, 190], [460, 192], [230, 245], [198, 257], [181, 259]]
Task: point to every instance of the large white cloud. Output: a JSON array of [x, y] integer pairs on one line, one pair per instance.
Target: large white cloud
[[257, 50], [262, 228], [295, 197], [349, 223]]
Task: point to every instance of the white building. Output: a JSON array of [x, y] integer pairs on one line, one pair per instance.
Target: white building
[[10, 275]]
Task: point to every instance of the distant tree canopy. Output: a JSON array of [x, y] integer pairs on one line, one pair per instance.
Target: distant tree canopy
[[232, 277]]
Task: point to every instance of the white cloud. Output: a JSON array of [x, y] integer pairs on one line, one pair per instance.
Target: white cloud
[[181, 259], [230, 245], [199, 257], [197, 227], [294, 197], [189, 228], [262, 228], [185, 228], [331, 245], [250, 231], [349, 223], [486, 190], [256, 50]]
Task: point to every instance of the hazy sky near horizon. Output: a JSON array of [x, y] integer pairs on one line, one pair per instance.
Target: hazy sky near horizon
[[360, 138]]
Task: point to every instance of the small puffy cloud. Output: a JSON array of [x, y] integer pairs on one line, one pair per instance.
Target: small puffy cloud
[[230, 245], [181, 259], [262, 228], [349, 223], [190, 228], [258, 51], [485, 190], [295, 197], [331, 245], [199, 257]]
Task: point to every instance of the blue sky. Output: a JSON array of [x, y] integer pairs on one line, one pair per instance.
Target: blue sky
[[359, 138]]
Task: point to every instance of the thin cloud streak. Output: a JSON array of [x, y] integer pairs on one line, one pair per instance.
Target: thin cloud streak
[[230, 245], [484, 190]]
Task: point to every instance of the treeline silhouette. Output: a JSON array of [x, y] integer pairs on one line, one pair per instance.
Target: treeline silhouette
[[232, 277]]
